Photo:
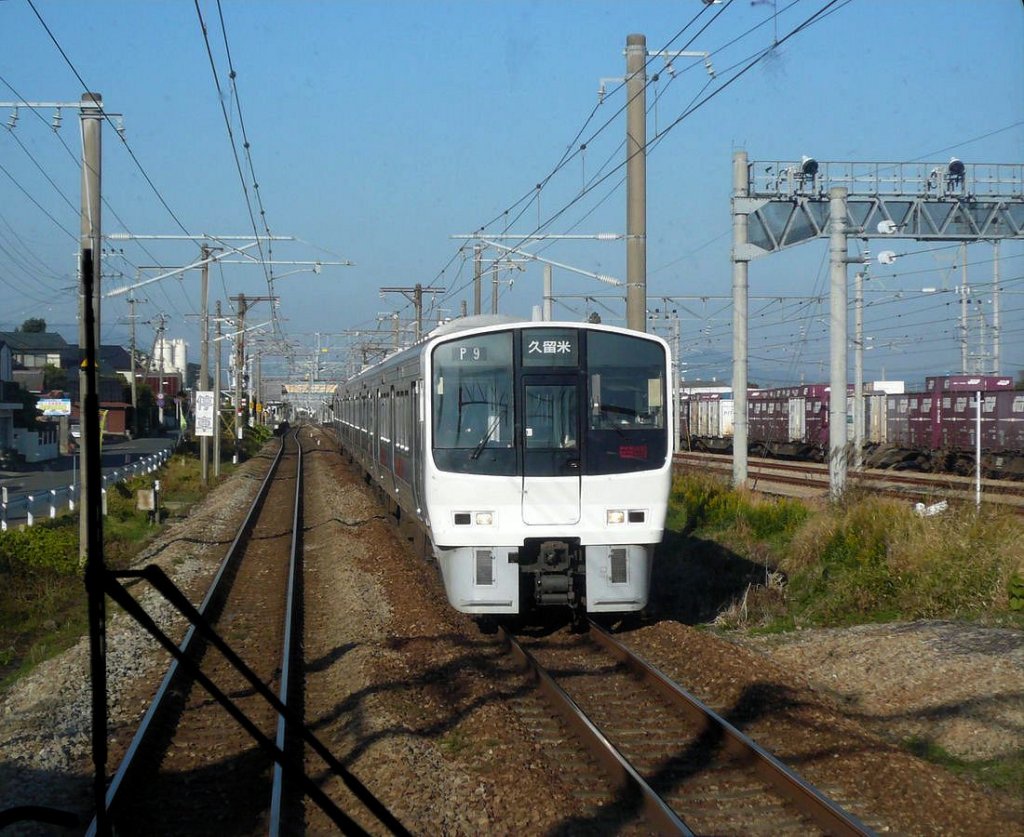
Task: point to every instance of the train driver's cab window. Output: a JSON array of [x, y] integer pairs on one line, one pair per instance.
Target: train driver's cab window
[[550, 418], [627, 382], [473, 413]]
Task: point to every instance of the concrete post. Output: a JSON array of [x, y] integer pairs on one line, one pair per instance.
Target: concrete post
[[740, 292], [838, 331], [636, 183]]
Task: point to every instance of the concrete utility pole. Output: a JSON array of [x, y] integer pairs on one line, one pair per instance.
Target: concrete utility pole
[[204, 354], [91, 246], [740, 291], [216, 397], [838, 306], [477, 268], [90, 551], [548, 294], [244, 303], [415, 295], [134, 369], [160, 344], [636, 182]]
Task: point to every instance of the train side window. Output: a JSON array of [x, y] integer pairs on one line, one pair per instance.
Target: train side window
[[989, 403], [1018, 404]]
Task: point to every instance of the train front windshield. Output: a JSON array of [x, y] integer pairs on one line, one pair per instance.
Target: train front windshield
[[501, 399]]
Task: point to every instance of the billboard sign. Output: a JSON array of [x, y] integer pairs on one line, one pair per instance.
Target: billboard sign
[[52, 407]]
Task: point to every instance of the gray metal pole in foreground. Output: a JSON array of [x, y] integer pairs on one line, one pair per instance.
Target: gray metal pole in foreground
[[90, 515], [838, 331], [636, 183], [92, 121], [858, 370], [740, 290]]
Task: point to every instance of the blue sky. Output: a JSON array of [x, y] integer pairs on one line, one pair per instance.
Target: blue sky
[[379, 130]]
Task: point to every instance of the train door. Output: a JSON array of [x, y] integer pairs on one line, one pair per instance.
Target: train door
[[797, 419], [551, 449]]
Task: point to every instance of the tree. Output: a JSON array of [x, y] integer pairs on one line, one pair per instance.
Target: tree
[[26, 416], [33, 325], [54, 378]]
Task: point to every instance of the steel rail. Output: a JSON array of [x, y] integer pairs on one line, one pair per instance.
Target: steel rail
[[817, 472], [199, 623], [292, 628], [212, 599], [622, 773], [829, 816]]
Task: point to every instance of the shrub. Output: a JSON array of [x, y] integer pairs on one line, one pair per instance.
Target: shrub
[[48, 547]]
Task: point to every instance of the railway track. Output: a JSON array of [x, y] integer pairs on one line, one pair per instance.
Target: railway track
[[686, 769], [220, 747], [812, 479]]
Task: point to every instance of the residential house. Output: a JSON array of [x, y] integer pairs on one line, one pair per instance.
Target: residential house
[[9, 400]]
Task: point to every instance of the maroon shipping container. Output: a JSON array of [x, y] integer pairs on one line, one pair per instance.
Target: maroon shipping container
[[974, 383], [1002, 421], [768, 418]]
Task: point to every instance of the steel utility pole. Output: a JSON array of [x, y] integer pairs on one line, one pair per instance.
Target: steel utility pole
[[858, 370], [996, 362], [636, 182], [964, 291]]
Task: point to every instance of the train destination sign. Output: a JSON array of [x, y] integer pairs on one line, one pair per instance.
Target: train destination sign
[[550, 347]]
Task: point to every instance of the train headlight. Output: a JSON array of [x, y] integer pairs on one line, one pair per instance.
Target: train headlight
[[613, 517], [485, 518]]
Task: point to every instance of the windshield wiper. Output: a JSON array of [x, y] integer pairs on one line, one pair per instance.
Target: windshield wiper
[[487, 436]]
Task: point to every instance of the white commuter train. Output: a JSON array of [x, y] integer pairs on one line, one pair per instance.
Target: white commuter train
[[536, 455]]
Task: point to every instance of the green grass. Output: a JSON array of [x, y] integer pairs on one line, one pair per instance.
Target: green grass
[[1005, 773], [865, 560], [43, 607]]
